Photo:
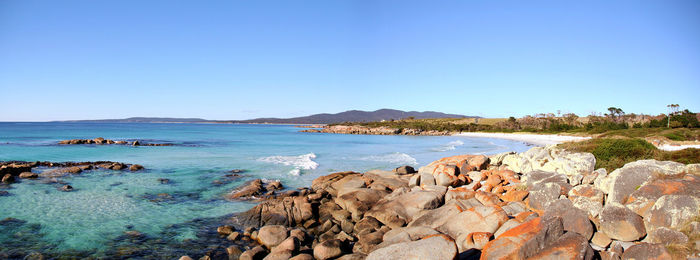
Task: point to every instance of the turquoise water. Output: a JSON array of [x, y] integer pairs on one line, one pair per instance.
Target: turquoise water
[[92, 219]]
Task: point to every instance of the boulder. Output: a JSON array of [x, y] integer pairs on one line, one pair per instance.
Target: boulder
[[601, 239], [287, 211], [573, 219], [359, 201], [542, 194], [437, 217], [325, 182], [28, 175], [621, 223], [431, 247], [248, 190], [646, 251], [476, 240], [525, 240], [551, 159], [328, 249], [588, 191], [406, 234], [569, 246], [398, 208], [644, 198], [673, 211], [663, 235], [624, 181], [272, 235], [477, 219], [254, 253], [302, 257]]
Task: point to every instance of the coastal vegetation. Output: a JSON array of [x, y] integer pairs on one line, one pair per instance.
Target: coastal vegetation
[[613, 153], [681, 126]]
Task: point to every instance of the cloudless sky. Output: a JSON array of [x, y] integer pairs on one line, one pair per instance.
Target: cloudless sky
[[246, 59]]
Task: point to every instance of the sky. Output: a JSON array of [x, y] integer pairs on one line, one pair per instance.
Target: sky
[[65, 60]]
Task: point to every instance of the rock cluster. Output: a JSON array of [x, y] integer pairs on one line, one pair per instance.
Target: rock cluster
[[102, 141], [256, 189], [545, 203], [14, 170], [363, 130]]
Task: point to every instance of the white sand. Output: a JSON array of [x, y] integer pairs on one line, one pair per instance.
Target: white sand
[[536, 139], [668, 147]]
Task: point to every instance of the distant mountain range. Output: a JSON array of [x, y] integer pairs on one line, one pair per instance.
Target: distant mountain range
[[347, 116]]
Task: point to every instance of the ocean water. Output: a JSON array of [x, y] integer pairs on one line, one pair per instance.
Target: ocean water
[[91, 220]]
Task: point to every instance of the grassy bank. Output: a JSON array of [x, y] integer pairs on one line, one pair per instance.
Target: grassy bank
[[613, 153]]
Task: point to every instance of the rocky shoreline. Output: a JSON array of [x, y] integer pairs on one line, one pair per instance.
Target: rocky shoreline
[[102, 141], [363, 130], [545, 203], [51, 172]]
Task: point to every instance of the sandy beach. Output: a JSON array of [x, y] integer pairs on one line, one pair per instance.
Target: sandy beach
[[536, 139]]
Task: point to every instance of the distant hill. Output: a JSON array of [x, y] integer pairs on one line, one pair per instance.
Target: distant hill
[[347, 116], [354, 116]]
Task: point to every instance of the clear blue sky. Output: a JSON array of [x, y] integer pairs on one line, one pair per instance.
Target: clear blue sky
[[247, 59]]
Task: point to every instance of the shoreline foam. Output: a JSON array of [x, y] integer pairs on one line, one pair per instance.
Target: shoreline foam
[[535, 139]]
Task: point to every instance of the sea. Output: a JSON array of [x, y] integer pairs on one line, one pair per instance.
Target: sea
[[122, 214]]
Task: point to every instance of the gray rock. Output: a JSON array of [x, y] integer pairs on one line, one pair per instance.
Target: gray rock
[[434, 247], [621, 223]]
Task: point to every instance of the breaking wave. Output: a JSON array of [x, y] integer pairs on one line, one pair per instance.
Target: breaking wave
[[301, 162], [393, 158]]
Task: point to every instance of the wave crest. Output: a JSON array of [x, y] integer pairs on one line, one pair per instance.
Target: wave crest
[[300, 162], [393, 158], [449, 146]]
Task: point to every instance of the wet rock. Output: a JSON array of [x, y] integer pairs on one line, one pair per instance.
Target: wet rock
[[4, 193], [34, 256], [621, 223], [135, 167], [66, 188], [328, 249], [224, 230], [248, 190], [8, 178], [646, 251], [233, 236], [164, 180], [28, 175], [431, 247]]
